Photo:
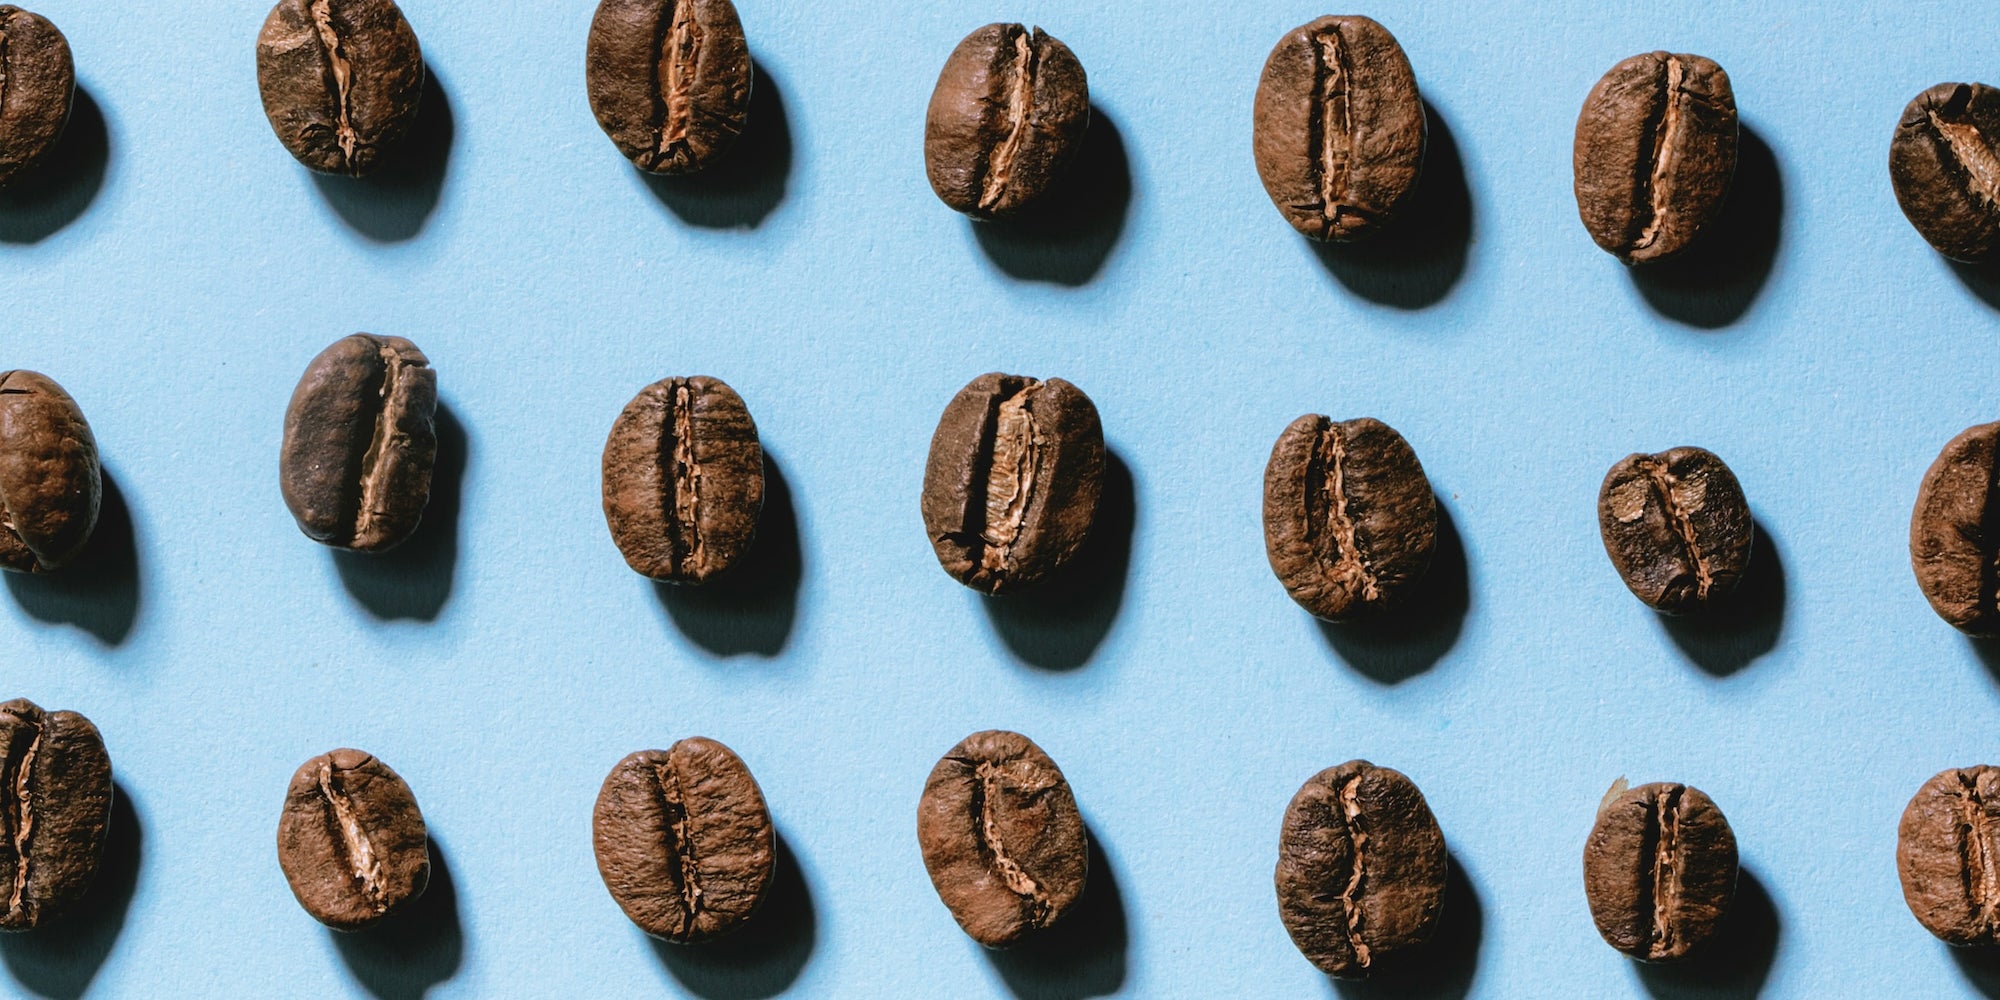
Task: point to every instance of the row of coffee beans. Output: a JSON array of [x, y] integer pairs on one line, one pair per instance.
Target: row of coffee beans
[[1338, 132], [1010, 491], [685, 845]]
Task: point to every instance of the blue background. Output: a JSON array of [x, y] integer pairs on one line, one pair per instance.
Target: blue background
[[185, 270]]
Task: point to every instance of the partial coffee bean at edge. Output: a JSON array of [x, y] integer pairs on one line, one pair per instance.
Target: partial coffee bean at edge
[[1948, 855], [1350, 522], [1339, 128], [1655, 154], [55, 811], [1005, 121], [360, 443], [341, 80], [1002, 838], [1362, 868], [1011, 487], [683, 480], [1955, 532], [351, 840], [684, 841], [669, 81], [51, 485], [40, 89], [1946, 170], [1677, 528], [1659, 870]]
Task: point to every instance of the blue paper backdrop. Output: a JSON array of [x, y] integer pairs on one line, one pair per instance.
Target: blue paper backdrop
[[182, 275]]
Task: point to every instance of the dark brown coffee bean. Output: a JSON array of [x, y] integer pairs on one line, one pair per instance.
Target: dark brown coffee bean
[[1002, 838], [1655, 154], [352, 841], [40, 86], [683, 479], [1008, 115], [669, 80], [1362, 868], [1350, 522], [684, 841], [341, 80], [1677, 528], [1948, 854], [1338, 128], [1946, 170], [1011, 488], [50, 481], [360, 441], [55, 807], [1659, 870], [1955, 533]]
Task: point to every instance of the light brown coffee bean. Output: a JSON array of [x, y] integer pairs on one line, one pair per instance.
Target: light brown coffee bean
[[1659, 870], [1002, 838], [352, 841], [683, 480]]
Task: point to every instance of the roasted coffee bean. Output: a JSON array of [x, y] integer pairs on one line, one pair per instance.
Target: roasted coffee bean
[[1350, 522], [1659, 870], [1955, 533], [684, 841], [1946, 170], [341, 80], [1948, 854], [1008, 115], [669, 80], [1338, 128], [1677, 528], [1362, 867], [360, 441], [1011, 489], [50, 482], [352, 841], [1655, 154], [55, 807], [683, 479], [40, 86], [1002, 838]]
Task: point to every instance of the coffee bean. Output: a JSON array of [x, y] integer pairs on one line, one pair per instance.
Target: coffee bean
[[1655, 154], [1002, 838], [352, 841], [669, 80], [683, 479], [1955, 533], [55, 807], [40, 80], [684, 841], [1677, 528], [1338, 129], [1007, 117], [1011, 488], [1948, 854], [1946, 170], [50, 482], [341, 80], [360, 441], [1659, 870], [1350, 522], [1362, 867]]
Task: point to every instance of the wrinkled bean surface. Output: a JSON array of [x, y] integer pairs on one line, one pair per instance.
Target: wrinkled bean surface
[[1955, 532], [683, 480], [1002, 838], [39, 89], [55, 810], [352, 841], [360, 443], [1008, 115], [50, 482], [341, 80], [1655, 154], [1948, 855], [669, 80], [1946, 169], [1659, 870], [1350, 522], [1677, 528]]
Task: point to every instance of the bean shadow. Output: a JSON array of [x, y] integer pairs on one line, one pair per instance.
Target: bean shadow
[[1724, 640], [1065, 238], [764, 958], [1444, 967], [99, 591], [1712, 283], [1416, 261], [1082, 956], [413, 581], [749, 608], [410, 953], [56, 192], [1982, 280], [748, 183], [1732, 966], [1410, 640], [60, 960], [1059, 625], [393, 203], [1979, 967]]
